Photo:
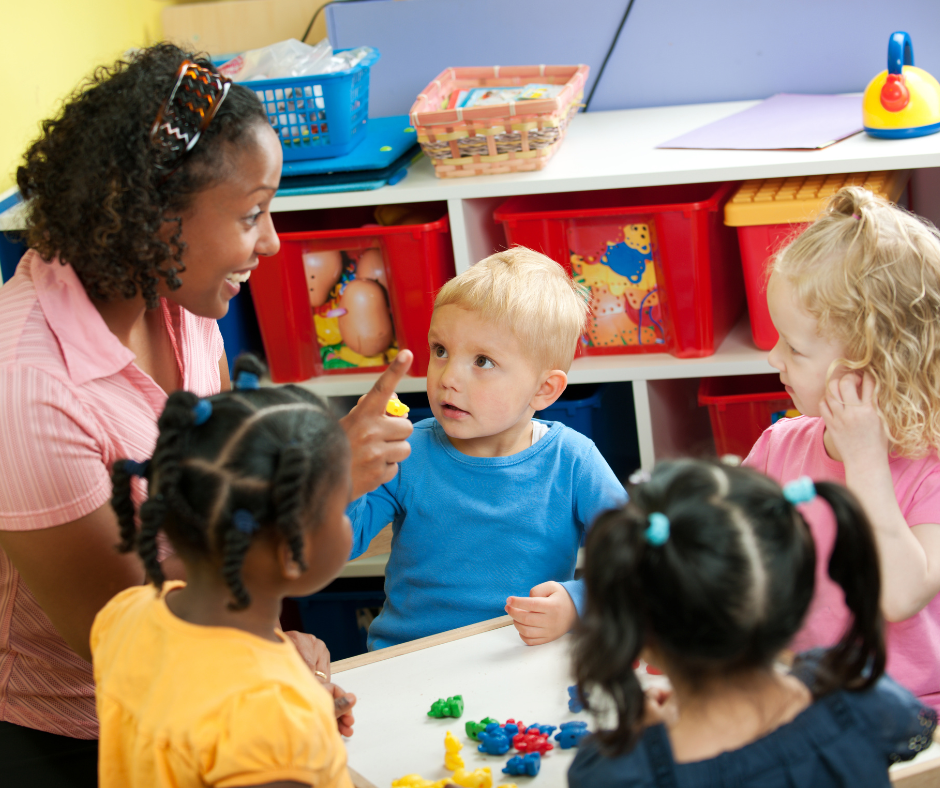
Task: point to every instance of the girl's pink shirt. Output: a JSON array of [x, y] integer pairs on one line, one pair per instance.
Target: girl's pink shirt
[[72, 401], [794, 447]]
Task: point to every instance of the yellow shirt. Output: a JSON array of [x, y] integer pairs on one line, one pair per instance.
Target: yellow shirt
[[185, 705]]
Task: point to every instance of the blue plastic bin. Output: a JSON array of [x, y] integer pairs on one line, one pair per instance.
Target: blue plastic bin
[[318, 116]]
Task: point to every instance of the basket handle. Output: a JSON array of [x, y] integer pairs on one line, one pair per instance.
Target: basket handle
[[900, 52]]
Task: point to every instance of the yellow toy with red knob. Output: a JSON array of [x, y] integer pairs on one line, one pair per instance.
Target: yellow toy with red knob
[[903, 101]]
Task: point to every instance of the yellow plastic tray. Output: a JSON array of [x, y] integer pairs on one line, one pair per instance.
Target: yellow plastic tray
[[800, 199]]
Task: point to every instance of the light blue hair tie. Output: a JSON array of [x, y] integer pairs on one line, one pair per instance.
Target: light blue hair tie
[[245, 521], [247, 381], [800, 490], [202, 410], [657, 533]]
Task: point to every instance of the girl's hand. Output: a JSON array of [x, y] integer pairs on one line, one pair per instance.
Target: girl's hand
[[313, 652], [546, 614], [852, 422], [343, 703]]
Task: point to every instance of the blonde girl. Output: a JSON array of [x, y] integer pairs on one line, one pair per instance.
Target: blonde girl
[[856, 301]]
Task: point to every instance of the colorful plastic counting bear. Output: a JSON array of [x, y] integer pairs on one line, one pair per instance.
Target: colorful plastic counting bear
[[452, 748], [417, 781], [532, 742], [478, 778], [452, 707], [520, 765], [570, 734], [396, 407], [473, 729], [536, 728], [493, 741], [575, 699]]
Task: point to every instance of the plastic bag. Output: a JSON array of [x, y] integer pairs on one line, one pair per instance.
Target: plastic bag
[[291, 58]]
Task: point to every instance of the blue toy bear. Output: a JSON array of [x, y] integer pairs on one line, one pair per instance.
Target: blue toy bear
[[575, 699], [570, 734], [493, 741], [528, 764]]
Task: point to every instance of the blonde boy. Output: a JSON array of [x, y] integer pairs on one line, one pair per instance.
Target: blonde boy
[[488, 511]]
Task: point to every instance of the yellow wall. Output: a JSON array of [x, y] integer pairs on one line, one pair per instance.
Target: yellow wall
[[47, 47]]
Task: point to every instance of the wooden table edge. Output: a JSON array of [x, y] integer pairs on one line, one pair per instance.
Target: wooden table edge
[[912, 775], [417, 645]]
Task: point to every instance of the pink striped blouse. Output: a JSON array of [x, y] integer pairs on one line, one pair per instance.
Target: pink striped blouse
[[72, 401]]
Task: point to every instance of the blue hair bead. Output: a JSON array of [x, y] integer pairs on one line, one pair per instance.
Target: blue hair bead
[[657, 533], [800, 490], [247, 381], [135, 468], [202, 410], [245, 521]]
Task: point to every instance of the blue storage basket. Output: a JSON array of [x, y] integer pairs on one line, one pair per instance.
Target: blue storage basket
[[318, 116]]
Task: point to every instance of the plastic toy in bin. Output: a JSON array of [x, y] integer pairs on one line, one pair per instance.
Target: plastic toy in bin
[[903, 101], [343, 293], [661, 267], [349, 300]]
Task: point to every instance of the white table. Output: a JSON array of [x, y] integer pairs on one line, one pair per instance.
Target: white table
[[499, 677]]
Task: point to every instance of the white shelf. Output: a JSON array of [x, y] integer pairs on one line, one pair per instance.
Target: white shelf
[[615, 150], [736, 356]]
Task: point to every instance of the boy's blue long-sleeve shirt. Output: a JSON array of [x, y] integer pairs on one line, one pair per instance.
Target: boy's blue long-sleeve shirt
[[468, 532]]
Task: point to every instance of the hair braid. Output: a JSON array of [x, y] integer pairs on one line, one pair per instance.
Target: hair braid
[[234, 547], [290, 485], [152, 515], [123, 505]]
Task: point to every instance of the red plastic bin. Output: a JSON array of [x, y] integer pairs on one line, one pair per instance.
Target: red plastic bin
[[758, 245], [740, 408], [418, 259], [663, 269]]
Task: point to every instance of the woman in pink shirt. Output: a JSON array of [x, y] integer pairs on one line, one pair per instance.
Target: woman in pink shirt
[[149, 202]]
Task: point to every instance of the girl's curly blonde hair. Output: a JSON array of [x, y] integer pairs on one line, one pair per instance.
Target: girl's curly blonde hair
[[869, 273]]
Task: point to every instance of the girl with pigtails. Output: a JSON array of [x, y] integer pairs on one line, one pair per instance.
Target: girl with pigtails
[[196, 683], [707, 573]]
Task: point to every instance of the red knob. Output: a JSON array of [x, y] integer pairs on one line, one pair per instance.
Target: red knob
[[894, 93]]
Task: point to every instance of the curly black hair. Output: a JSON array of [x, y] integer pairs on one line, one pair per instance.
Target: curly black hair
[[275, 452], [95, 197]]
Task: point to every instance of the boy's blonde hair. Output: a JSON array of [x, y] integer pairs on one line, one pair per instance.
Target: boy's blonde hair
[[532, 295], [869, 273]]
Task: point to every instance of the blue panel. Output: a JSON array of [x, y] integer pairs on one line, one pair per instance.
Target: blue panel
[[670, 51], [687, 52], [418, 39]]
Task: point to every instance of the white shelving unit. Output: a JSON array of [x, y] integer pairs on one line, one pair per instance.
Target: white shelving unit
[[608, 150]]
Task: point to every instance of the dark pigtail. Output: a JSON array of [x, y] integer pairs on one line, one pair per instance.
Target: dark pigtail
[[175, 424], [234, 548], [290, 492], [857, 661], [612, 632], [123, 505]]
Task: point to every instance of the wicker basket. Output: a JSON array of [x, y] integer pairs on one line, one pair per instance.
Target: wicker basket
[[513, 137]]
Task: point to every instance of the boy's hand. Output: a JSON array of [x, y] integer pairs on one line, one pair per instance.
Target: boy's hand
[[546, 614], [852, 421], [343, 703], [378, 442]]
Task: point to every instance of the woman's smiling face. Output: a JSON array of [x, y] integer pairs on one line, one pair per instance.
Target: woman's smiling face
[[228, 226]]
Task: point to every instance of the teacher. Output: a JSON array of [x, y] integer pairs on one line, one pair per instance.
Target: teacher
[[148, 202]]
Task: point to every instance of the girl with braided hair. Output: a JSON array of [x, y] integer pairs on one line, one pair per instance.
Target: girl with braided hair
[[707, 573], [147, 206], [250, 487]]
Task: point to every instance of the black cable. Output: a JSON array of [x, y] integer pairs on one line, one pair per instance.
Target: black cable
[[610, 51], [317, 13]]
